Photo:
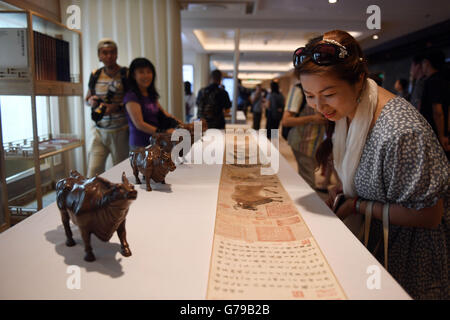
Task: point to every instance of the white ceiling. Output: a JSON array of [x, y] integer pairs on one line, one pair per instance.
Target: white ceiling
[[270, 30]]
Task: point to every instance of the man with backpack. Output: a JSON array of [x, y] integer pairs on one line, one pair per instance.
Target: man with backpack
[[213, 102], [105, 97]]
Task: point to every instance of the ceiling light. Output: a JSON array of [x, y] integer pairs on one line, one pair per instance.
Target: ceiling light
[[251, 83], [375, 37], [258, 75], [332, 1], [254, 66], [209, 44]]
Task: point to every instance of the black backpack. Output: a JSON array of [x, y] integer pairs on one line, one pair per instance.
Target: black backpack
[[207, 105]]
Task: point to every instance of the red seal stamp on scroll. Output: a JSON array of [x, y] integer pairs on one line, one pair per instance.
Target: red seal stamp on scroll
[[326, 293], [289, 221], [231, 231], [274, 234], [281, 210], [298, 294]]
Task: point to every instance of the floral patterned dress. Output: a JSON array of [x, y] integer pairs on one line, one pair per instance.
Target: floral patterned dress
[[403, 163]]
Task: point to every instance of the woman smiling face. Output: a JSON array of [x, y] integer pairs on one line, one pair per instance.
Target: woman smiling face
[[144, 77], [334, 98]]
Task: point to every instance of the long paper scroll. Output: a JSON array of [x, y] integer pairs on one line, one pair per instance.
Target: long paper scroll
[[262, 248]]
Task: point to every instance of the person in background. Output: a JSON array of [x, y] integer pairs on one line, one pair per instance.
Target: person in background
[[416, 81], [105, 95], [389, 162], [243, 97], [144, 112], [189, 102], [213, 102], [257, 100], [275, 106], [401, 86], [435, 97], [306, 133]]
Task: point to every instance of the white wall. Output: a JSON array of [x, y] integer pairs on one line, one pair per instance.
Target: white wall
[[141, 28]]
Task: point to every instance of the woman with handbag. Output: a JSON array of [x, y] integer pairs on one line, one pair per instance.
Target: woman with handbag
[[393, 170]]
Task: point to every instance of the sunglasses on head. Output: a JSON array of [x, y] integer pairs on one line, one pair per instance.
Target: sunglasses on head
[[322, 54]]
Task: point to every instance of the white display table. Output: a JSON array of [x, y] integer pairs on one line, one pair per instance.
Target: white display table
[[170, 232]]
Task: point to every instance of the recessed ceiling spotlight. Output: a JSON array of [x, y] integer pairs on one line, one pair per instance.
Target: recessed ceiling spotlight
[[375, 37], [332, 1]]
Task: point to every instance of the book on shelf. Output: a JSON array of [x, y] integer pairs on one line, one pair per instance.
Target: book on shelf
[[52, 61]]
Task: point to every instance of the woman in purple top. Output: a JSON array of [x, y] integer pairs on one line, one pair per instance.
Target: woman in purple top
[[141, 102]]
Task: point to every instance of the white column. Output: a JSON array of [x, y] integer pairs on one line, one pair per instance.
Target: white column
[[201, 71], [235, 75], [175, 61]]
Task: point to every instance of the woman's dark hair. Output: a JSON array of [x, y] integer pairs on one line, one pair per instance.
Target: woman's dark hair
[[351, 69], [187, 88], [404, 83], [139, 63], [216, 76], [274, 87]]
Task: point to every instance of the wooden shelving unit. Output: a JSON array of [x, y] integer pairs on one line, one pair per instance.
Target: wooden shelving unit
[[25, 82]]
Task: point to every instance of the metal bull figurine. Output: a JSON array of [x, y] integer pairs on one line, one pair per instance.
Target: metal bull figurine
[[163, 139], [153, 163], [96, 206]]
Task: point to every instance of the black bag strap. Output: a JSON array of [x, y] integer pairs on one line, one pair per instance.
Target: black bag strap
[[299, 85], [93, 80], [124, 78], [96, 74]]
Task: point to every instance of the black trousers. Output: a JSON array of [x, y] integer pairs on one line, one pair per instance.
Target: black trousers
[[272, 123], [256, 120]]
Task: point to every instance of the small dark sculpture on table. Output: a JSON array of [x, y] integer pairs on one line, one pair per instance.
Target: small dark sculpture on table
[[163, 139], [96, 206], [153, 163]]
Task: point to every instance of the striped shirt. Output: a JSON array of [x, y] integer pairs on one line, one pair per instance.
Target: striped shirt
[[304, 138], [117, 120]]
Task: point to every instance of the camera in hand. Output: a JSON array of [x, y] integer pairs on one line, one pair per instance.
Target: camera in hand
[[98, 112]]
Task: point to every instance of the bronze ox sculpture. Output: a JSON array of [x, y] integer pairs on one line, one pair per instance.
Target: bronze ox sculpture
[[96, 206], [153, 163], [163, 139]]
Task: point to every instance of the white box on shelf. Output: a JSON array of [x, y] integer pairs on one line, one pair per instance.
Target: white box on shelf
[[13, 48]]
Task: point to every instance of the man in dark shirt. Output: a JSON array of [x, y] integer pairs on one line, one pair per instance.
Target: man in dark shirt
[[417, 81], [213, 102], [243, 97], [435, 99]]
